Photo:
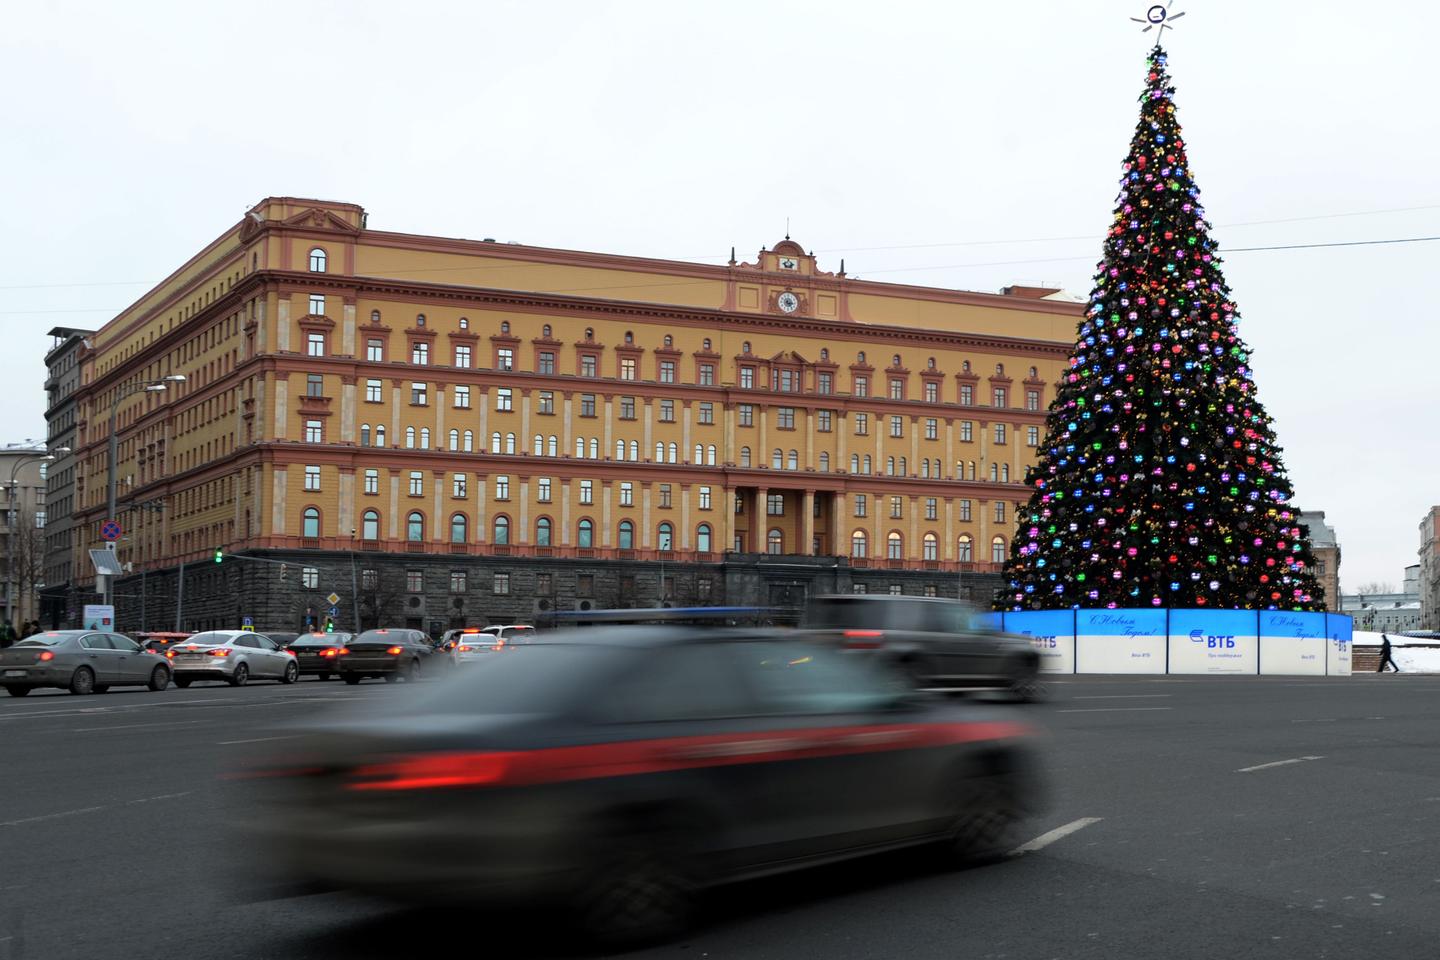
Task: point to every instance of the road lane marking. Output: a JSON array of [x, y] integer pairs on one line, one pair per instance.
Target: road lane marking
[[1125, 696], [1059, 833], [226, 743], [51, 816], [163, 796], [1111, 709], [135, 726], [1276, 763]]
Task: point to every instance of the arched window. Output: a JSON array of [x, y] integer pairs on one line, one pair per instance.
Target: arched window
[[669, 341], [454, 439], [925, 469], [375, 317], [619, 449], [311, 523], [699, 453], [464, 323], [710, 455], [539, 445], [997, 550], [777, 459], [860, 357], [410, 438], [674, 452], [889, 466], [364, 434], [542, 532], [895, 546], [501, 530], [585, 536], [634, 449], [904, 467], [545, 331], [854, 463], [824, 462], [994, 472], [594, 448], [702, 538], [965, 366], [1004, 473], [496, 444], [553, 447], [775, 541], [579, 447], [370, 525], [459, 528], [792, 460], [379, 434], [627, 535], [744, 456], [317, 260], [972, 469], [895, 360], [1034, 373], [666, 538], [999, 369], [824, 353], [930, 364], [932, 547], [965, 551], [745, 347], [415, 527], [659, 451], [419, 319], [509, 443], [504, 326], [589, 334], [629, 337], [859, 544], [869, 466], [424, 438], [469, 442], [707, 343]]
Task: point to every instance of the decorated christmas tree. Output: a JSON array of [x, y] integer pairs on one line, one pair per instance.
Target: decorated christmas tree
[[1160, 482]]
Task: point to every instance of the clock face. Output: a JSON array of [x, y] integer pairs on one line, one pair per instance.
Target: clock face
[[788, 302], [788, 263]]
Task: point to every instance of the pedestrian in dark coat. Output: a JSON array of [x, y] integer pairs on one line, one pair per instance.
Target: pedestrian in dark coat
[[1385, 655], [7, 634]]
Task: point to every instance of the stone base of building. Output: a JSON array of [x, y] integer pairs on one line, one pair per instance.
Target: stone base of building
[[285, 591]]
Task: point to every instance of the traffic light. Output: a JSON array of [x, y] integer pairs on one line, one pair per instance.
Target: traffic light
[[283, 568], [219, 555], [329, 625]]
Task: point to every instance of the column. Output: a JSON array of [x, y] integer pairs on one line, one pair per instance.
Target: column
[[524, 524], [439, 521], [842, 427], [567, 439], [809, 463], [483, 398], [347, 331], [526, 438], [565, 510], [685, 442], [726, 526], [439, 439], [807, 524], [644, 538], [760, 520], [840, 540], [395, 438], [606, 540], [393, 527], [282, 391], [912, 542], [609, 448], [282, 325], [347, 409], [648, 443], [482, 528], [948, 548], [949, 446], [684, 532], [914, 467]]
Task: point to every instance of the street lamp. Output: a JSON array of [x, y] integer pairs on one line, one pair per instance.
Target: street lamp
[[128, 390], [10, 540]]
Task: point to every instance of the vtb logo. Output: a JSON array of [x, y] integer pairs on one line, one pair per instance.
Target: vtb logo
[[1043, 643], [1212, 643]]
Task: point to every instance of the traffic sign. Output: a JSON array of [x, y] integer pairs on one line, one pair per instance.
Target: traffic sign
[[110, 530], [334, 598], [334, 611], [247, 621]]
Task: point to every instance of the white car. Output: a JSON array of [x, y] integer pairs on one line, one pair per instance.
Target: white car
[[474, 644], [235, 656]]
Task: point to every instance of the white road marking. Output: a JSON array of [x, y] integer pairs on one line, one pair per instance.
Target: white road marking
[[163, 796], [1327, 720], [226, 743], [1126, 696], [1277, 763], [135, 726], [51, 816], [1111, 709], [1059, 833]]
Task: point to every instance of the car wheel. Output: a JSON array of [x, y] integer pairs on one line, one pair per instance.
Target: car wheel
[[639, 892], [15, 690], [159, 679], [182, 682], [82, 681], [1028, 690], [241, 676], [323, 677], [986, 820], [350, 678], [392, 677], [292, 672], [413, 673], [102, 688]]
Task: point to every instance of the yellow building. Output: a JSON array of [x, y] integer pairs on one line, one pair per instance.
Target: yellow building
[[510, 428]]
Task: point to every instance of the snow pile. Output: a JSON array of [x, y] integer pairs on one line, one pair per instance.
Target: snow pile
[[1411, 655]]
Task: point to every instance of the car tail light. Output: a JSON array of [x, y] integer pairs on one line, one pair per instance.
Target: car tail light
[[863, 639], [289, 651], [44, 655], [463, 648], [395, 651], [169, 654], [342, 652], [219, 652], [436, 770], [330, 652]]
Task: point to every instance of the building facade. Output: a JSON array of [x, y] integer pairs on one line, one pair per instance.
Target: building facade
[[22, 531], [437, 430], [1388, 612], [62, 381], [1429, 579], [1326, 547]]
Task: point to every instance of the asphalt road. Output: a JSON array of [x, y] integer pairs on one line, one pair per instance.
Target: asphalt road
[[1208, 844]]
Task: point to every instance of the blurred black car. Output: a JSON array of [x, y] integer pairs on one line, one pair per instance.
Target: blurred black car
[[619, 771], [318, 654], [939, 644], [395, 654]]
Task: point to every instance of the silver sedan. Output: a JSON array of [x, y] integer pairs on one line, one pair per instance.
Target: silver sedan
[[234, 656], [82, 661]]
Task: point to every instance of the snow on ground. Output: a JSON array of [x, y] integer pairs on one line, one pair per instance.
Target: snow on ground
[[1410, 655]]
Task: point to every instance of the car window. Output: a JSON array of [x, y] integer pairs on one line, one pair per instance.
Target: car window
[[124, 643], [801, 679], [544, 678], [250, 642], [212, 637], [682, 682], [48, 640], [266, 643], [95, 641]]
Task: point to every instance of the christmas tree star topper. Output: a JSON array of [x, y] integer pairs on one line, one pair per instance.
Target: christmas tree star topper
[[1159, 15]]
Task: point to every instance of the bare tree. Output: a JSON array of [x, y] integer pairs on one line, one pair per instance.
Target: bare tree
[[1374, 587], [29, 564]]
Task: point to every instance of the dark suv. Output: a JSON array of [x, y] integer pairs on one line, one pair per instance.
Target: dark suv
[[939, 644]]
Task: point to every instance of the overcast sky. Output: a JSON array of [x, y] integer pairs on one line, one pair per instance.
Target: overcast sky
[[945, 144]]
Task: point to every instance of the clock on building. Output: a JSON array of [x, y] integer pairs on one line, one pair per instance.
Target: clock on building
[[788, 302], [788, 263]]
